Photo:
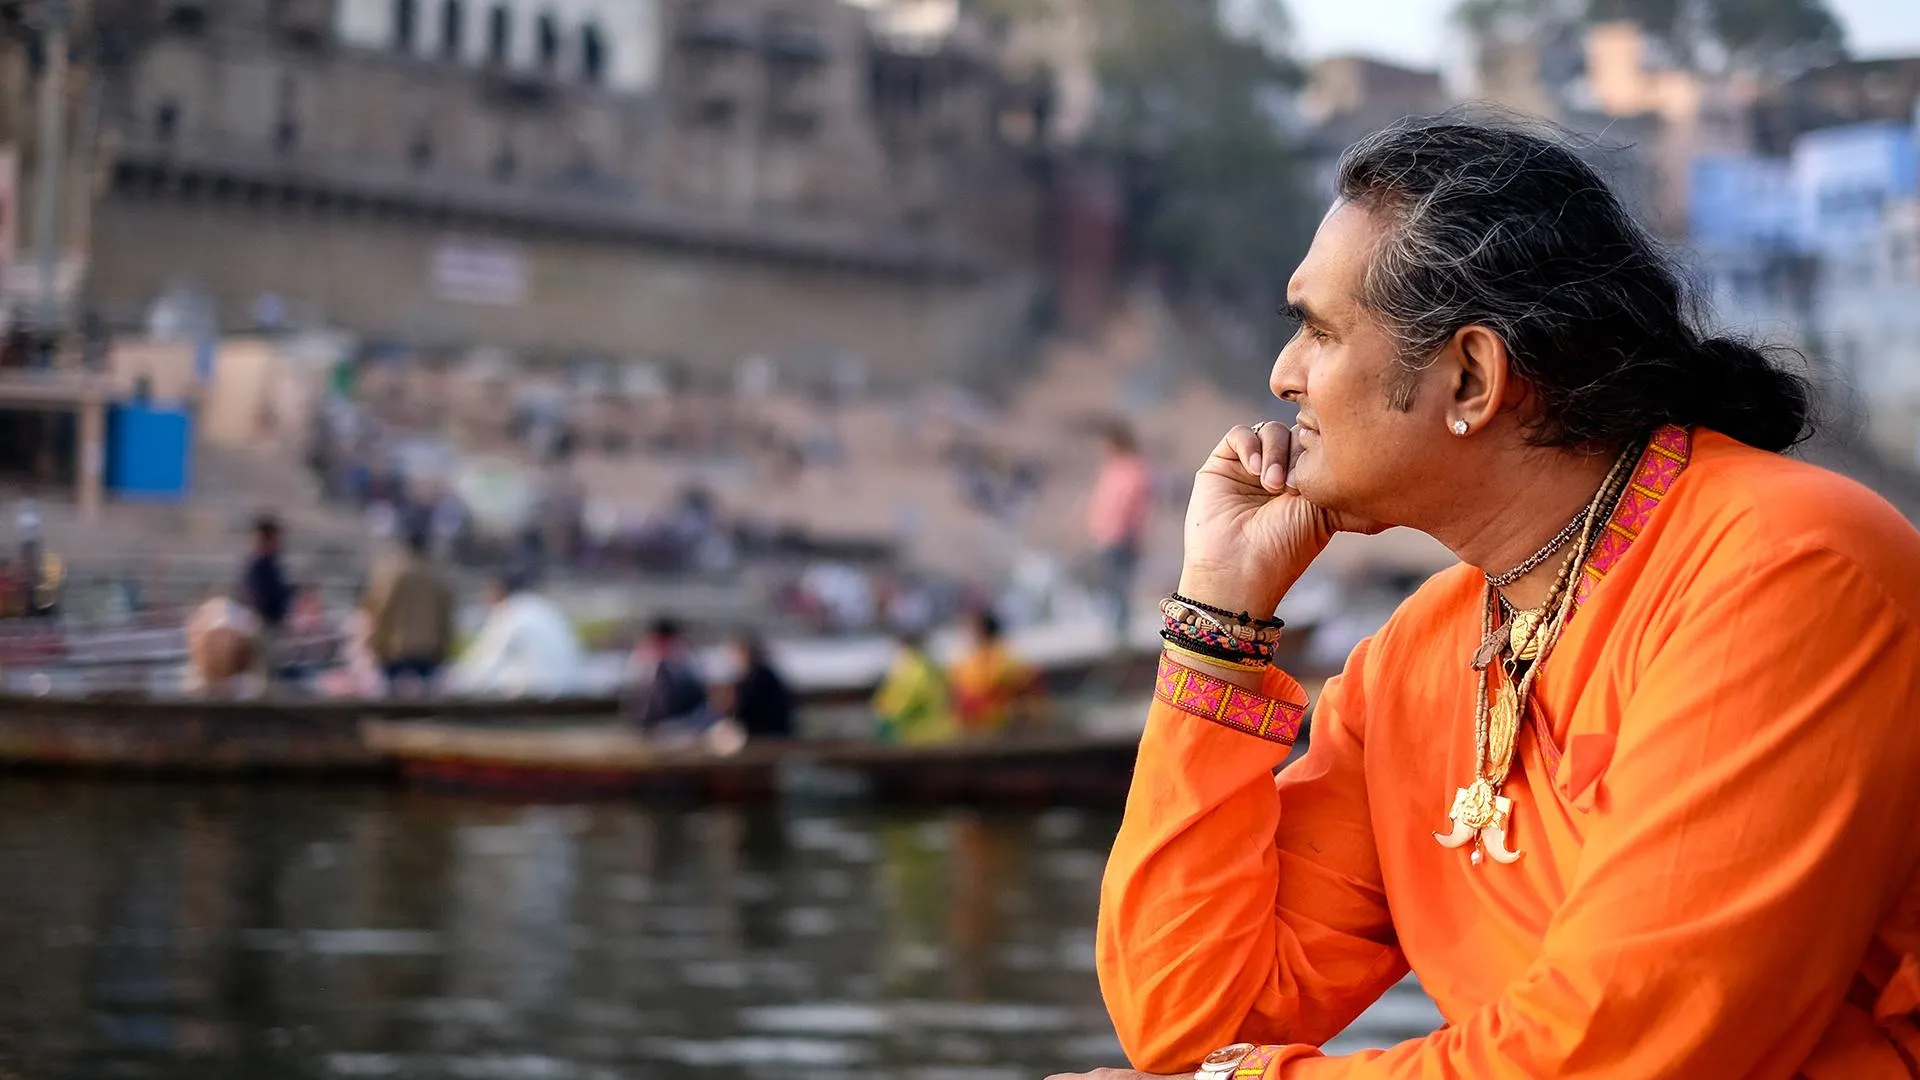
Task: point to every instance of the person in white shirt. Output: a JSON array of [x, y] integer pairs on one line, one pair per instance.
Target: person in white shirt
[[525, 648], [222, 638]]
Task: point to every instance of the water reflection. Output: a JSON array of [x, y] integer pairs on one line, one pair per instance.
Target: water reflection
[[173, 932]]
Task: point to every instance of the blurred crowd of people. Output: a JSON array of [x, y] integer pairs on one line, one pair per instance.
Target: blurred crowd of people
[[402, 639], [421, 499]]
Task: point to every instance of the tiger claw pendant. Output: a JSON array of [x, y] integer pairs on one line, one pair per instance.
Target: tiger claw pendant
[[1495, 840], [1480, 818], [1467, 803]]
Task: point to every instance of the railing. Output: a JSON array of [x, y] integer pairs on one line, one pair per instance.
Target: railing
[[576, 212]]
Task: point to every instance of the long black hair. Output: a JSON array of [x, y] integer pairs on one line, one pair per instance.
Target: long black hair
[[1505, 226]]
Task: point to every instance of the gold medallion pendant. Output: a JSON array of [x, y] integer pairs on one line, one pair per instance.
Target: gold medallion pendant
[[1503, 730], [1523, 635]]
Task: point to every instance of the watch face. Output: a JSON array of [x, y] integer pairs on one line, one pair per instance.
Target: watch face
[[1222, 1061]]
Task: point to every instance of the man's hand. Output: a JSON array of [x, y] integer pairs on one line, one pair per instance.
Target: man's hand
[[1249, 534], [1118, 1074]]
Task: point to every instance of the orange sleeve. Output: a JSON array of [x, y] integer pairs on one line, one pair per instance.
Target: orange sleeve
[[1754, 826], [1231, 911]]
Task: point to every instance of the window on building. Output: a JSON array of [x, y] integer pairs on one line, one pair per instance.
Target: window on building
[[187, 17], [406, 28], [286, 131], [585, 165], [453, 28], [913, 90], [716, 113], [420, 150], [499, 35], [794, 124], [166, 120], [593, 55], [548, 31]]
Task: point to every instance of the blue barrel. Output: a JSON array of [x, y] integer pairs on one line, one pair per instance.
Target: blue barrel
[[149, 450]]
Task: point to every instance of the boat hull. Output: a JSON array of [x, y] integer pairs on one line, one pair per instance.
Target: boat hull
[[604, 762], [230, 737], [134, 732]]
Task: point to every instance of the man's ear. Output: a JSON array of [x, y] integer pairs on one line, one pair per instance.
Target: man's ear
[[1480, 377]]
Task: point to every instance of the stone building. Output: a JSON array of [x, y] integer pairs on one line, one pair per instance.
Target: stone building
[[1630, 76], [1361, 94], [1348, 97], [1848, 92], [94, 41], [690, 180]]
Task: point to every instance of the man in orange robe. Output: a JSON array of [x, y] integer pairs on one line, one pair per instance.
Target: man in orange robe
[[1716, 791]]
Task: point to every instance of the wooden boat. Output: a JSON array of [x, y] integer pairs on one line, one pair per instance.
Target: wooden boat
[[59, 641], [110, 733], [609, 760], [135, 731], [133, 648]]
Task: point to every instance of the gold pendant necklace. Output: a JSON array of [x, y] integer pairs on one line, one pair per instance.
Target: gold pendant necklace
[[1523, 635], [1480, 815]]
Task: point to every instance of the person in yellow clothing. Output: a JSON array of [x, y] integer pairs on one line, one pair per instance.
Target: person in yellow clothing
[[912, 704], [1631, 789], [992, 688]]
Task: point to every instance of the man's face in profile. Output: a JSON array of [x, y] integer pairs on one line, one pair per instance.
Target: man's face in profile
[[1368, 423]]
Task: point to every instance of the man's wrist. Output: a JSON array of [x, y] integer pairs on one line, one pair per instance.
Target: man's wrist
[[1234, 590], [1241, 677]]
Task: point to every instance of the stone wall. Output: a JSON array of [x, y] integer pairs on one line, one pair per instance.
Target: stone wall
[[783, 109], [551, 296]]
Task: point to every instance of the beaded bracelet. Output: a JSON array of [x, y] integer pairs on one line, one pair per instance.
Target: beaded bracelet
[[1237, 616], [1194, 632], [1182, 614], [1214, 653]]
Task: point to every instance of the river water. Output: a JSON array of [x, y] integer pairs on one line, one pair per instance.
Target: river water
[[176, 931]]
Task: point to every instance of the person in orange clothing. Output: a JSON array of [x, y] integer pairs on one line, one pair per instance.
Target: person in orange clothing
[[992, 688], [1632, 789]]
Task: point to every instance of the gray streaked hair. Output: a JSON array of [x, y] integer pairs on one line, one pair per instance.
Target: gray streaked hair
[[1503, 225]]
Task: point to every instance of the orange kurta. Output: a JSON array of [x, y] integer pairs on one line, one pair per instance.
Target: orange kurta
[[1720, 833]]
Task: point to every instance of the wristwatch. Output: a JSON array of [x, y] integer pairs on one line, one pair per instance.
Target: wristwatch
[[1220, 1064]]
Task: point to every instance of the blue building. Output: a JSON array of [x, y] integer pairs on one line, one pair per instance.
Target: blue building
[[1743, 222], [1847, 178], [1742, 201]]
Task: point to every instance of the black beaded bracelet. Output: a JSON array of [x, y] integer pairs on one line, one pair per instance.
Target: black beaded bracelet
[[1242, 616]]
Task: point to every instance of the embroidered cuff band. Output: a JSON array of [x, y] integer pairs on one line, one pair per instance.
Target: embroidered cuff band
[[1223, 703], [1255, 1065]]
